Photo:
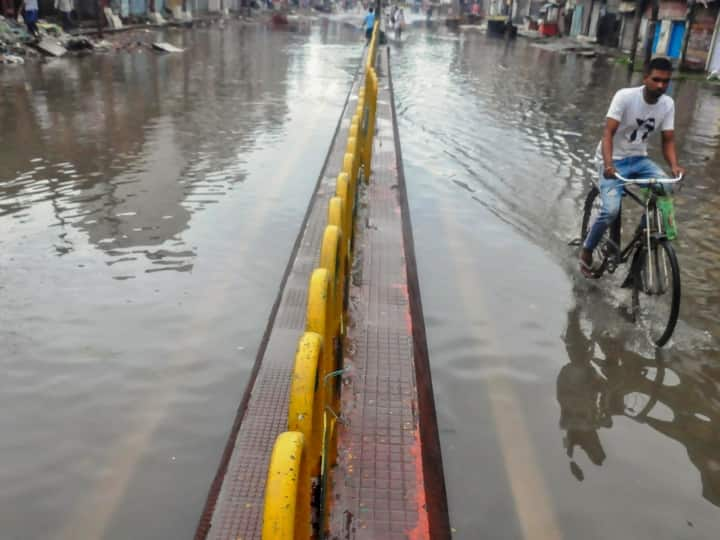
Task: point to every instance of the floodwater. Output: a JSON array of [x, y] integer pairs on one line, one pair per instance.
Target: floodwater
[[557, 417], [148, 205]]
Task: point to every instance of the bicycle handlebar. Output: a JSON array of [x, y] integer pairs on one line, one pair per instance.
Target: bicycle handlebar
[[649, 181]]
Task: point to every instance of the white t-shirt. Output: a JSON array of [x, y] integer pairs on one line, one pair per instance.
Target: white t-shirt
[[638, 119]]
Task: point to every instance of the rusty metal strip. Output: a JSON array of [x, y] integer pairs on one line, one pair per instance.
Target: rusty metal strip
[[436, 496]]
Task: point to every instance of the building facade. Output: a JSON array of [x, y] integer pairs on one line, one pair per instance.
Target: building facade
[[686, 30]]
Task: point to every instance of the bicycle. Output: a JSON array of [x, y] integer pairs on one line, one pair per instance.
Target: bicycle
[[654, 274]]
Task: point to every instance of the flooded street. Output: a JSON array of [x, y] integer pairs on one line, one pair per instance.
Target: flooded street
[[557, 417], [148, 207]]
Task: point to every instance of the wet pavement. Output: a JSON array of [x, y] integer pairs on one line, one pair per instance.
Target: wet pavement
[[148, 205], [557, 417]]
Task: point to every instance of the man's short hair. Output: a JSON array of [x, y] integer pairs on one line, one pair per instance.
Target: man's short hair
[[660, 63], [370, 10]]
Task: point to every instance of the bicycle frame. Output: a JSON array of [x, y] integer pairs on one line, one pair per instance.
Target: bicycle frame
[[648, 231], [654, 270], [650, 205]]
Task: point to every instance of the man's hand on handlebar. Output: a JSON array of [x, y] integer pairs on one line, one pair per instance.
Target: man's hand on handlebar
[[678, 171], [609, 171]]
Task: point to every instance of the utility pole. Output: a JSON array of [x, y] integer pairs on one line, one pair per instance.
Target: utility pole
[[689, 20], [650, 33], [100, 15], [639, 9], [456, 9]]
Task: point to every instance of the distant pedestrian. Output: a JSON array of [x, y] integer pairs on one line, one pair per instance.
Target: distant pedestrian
[[30, 12], [65, 8], [399, 24], [368, 24]]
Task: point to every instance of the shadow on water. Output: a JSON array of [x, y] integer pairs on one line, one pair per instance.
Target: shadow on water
[[122, 152]]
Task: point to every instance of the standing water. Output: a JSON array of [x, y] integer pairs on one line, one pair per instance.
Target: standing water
[[148, 207], [558, 419]]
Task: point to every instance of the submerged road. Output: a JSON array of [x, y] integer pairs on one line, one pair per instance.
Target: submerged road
[[148, 205], [541, 386]]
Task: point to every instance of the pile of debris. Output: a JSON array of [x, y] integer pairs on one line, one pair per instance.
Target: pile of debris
[[16, 43], [13, 38]]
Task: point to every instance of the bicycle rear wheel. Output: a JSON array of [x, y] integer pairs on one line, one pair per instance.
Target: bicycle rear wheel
[[656, 291]]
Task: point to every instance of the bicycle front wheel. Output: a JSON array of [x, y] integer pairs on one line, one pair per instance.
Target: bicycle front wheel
[[656, 291]]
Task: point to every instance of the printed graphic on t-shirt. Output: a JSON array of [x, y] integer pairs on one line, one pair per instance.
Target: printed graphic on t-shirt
[[646, 126]]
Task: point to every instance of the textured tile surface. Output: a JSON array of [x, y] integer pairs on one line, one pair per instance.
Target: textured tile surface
[[378, 483]]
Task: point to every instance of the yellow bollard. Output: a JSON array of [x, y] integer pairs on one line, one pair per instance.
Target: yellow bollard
[[356, 147], [360, 112], [348, 160], [352, 149], [319, 319], [372, 105], [336, 213], [348, 168], [353, 134], [342, 190], [331, 259], [336, 216], [305, 409], [287, 513]]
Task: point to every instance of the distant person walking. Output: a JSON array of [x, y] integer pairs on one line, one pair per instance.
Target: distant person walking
[[30, 11], [65, 7], [399, 24], [368, 24]]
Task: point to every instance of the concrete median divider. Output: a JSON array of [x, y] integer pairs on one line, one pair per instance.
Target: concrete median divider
[[303, 455]]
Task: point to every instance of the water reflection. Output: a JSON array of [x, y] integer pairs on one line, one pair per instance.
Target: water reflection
[[113, 169], [603, 380], [126, 155]]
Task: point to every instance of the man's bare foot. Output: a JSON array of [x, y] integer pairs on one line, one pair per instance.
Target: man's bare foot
[[586, 263]]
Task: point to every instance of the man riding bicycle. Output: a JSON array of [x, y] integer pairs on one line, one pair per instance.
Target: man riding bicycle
[[633, 115]]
